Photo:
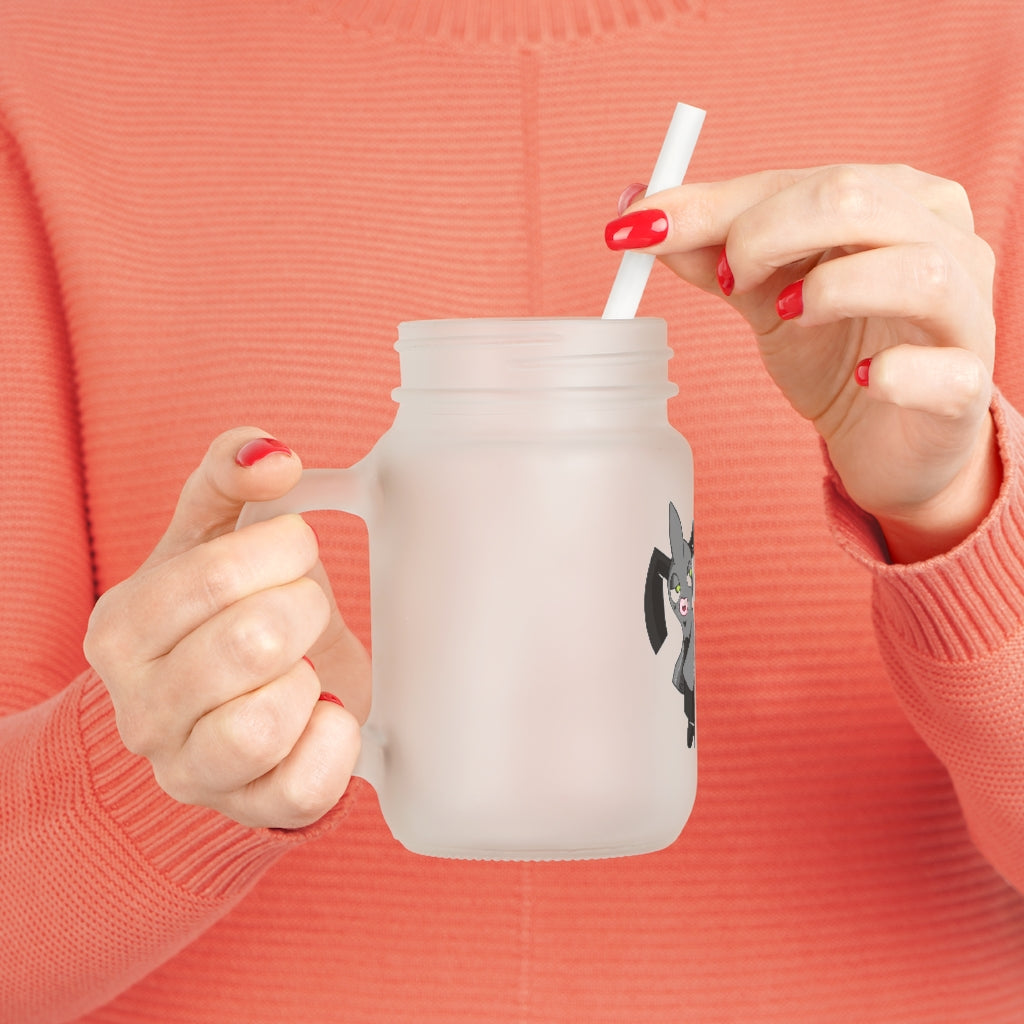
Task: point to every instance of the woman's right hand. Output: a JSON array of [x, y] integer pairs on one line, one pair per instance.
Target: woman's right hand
[[203, 650], [871, 299]]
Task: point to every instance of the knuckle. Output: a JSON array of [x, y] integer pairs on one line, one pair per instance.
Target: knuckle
[[903, 173], [958, 384], [221, 581], [848, 194], [104, 642], [931, 271], [264, 634], [96, 642], [254, 641], [953, 195], [950, 201], [254, 733]]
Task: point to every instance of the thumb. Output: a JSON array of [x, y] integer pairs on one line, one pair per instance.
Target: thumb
[[241, 465]]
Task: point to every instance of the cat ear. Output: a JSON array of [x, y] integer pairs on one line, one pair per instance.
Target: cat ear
[[675, 535]]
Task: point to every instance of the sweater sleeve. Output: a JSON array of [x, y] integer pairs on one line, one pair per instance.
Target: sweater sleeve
[[951, 630], [102, 876]]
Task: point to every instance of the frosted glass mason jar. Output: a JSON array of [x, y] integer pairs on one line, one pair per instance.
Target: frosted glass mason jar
[[530, 519]]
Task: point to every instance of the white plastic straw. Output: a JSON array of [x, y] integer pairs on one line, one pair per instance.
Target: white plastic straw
[[674, 158]]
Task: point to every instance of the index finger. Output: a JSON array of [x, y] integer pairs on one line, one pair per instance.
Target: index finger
[[171, 599], [701, 214]]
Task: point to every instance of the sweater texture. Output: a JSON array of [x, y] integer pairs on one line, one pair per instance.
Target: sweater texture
[[214, 214]]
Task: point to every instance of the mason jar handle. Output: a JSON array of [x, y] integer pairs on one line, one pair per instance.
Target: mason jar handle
[[349, 490], [337, 490]]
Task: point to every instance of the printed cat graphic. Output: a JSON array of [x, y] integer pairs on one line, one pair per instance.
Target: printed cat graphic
[[677, 571]]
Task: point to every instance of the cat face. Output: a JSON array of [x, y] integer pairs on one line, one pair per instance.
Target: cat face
[[680, 580], [680, 591]]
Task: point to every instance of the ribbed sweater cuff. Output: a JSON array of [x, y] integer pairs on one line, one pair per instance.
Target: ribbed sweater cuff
[[963, 604], [194, 848]]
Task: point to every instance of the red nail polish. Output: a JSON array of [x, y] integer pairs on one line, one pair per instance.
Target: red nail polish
[[724, 274], [637, 230], [861, 373], [330, 698], [309, 663], [790, 303], [629, 195], [252, 451]]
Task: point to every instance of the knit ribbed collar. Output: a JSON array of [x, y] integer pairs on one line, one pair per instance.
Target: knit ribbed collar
[[524, 22]]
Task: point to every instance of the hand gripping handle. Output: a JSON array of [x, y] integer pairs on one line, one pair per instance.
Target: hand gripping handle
[[341, 490]]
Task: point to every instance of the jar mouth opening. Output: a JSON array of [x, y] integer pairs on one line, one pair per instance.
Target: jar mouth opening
[[467, 320], [535, 355], [637, 332], [537, 396]]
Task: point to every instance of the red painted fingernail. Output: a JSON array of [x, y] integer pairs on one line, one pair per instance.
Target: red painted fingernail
[[309, 663], [252, 451], [861, 373], [628, 195], [637, 230], [331, 698], [724, 274], [790, 303]]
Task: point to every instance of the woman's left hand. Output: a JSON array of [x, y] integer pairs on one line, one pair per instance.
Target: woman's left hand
[[870, 297]]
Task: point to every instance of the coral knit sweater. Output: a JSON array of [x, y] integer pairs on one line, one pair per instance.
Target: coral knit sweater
[[215, 213]]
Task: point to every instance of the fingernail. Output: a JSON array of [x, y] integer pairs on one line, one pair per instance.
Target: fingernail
[[252, 451], [861, 373], [628, 195], [790, 303], [637, 230], [331, 698], [309, 663], [724, 274]]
